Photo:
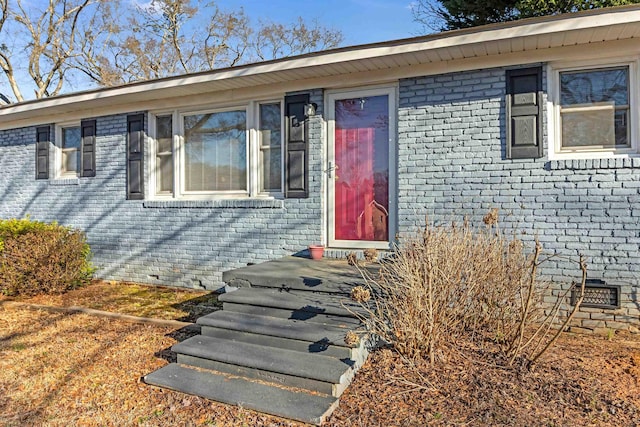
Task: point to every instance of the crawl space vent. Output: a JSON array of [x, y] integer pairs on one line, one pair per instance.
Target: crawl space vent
[[597, 294]]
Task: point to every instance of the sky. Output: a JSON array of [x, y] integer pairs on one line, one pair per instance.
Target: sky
[[361, 21]]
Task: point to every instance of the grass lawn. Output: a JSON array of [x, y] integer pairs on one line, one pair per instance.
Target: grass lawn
[[134, 299], [61, 369], [78, 370]]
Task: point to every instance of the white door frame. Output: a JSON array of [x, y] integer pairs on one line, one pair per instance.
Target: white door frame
[[330, 97]]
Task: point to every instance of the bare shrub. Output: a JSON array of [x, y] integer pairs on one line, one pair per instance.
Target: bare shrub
[[352, 258], [370, 255], [43, 259], [351, 339], [453, 286], [360, 294], [491, 218]]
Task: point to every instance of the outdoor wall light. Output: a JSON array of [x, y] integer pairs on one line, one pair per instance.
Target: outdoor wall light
[[310, 109]]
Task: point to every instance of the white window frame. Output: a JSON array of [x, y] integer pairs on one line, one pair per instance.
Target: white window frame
[[59, 172], [555, 151], [153, 183], [257, 168], [181, 149], [254, 167]]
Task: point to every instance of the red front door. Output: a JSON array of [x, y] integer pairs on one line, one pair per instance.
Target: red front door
[[361, 177]]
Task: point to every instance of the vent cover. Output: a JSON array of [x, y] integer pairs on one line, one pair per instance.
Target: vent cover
[[597, 294]]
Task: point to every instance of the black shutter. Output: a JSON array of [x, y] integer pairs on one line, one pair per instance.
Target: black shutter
[[88, 148], [135, 157], [42, 152], [296, 147], [524, 113]]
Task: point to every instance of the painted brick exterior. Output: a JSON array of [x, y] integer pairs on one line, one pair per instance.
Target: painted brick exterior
[[182, 243], [451, 164], [451, 157]]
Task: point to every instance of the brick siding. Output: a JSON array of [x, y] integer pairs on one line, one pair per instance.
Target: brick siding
[[451, 157], [451, 164], [180, 243]]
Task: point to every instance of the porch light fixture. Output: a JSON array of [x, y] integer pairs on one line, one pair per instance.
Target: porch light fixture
[[310, 109]]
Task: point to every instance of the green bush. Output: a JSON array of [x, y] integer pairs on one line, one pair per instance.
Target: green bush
[[42, 258]]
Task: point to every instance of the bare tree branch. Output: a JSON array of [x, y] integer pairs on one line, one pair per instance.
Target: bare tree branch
[[5, 63], [51, 44], [275, 40], [111, 42]]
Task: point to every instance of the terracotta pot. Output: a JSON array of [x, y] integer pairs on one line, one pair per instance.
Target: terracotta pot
[[316, 251]]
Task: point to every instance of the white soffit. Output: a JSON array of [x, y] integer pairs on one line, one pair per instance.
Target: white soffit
[[491, 41]]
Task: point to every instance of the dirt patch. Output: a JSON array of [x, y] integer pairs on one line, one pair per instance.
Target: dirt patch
[[60, 369], [134, 299], [79, 370], [584, 380]]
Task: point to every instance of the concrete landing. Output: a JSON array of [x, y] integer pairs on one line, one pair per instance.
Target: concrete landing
[[297, 273]]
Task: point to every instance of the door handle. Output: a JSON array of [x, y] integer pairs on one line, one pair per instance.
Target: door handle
[[330, 170]]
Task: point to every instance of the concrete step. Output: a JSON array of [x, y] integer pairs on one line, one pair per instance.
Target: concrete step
[[295, 405], [270, 341], [336, 321], [276, 327], [297, 273], [287, 367], [275, 378], [307, 302]]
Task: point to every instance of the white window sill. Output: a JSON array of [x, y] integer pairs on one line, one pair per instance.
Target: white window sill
[[215, 204]]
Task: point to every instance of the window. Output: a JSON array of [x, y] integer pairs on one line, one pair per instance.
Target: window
[[594, 111], [594, 108], [221, 153], [270, 134], [69, 150], [164, 154], [215, 152]]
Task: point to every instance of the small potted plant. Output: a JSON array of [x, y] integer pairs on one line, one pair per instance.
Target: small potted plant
[[316, 251]]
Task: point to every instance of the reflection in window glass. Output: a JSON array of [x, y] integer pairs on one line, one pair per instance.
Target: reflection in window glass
[[594, 108], [362, 174], [215, 151], [270, 147], [70, 147], [164, 154]]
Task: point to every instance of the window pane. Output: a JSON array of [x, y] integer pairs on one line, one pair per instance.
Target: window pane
[[70, 161], [71, 137], [271, 169], [271, 136], [595, 108], [586, 128], [164, 175], [621, 128], [216, 151], [164, 134], [164, 154], [589, 87]]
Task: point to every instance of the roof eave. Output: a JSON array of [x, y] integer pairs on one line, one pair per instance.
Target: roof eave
[[583, 26]]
